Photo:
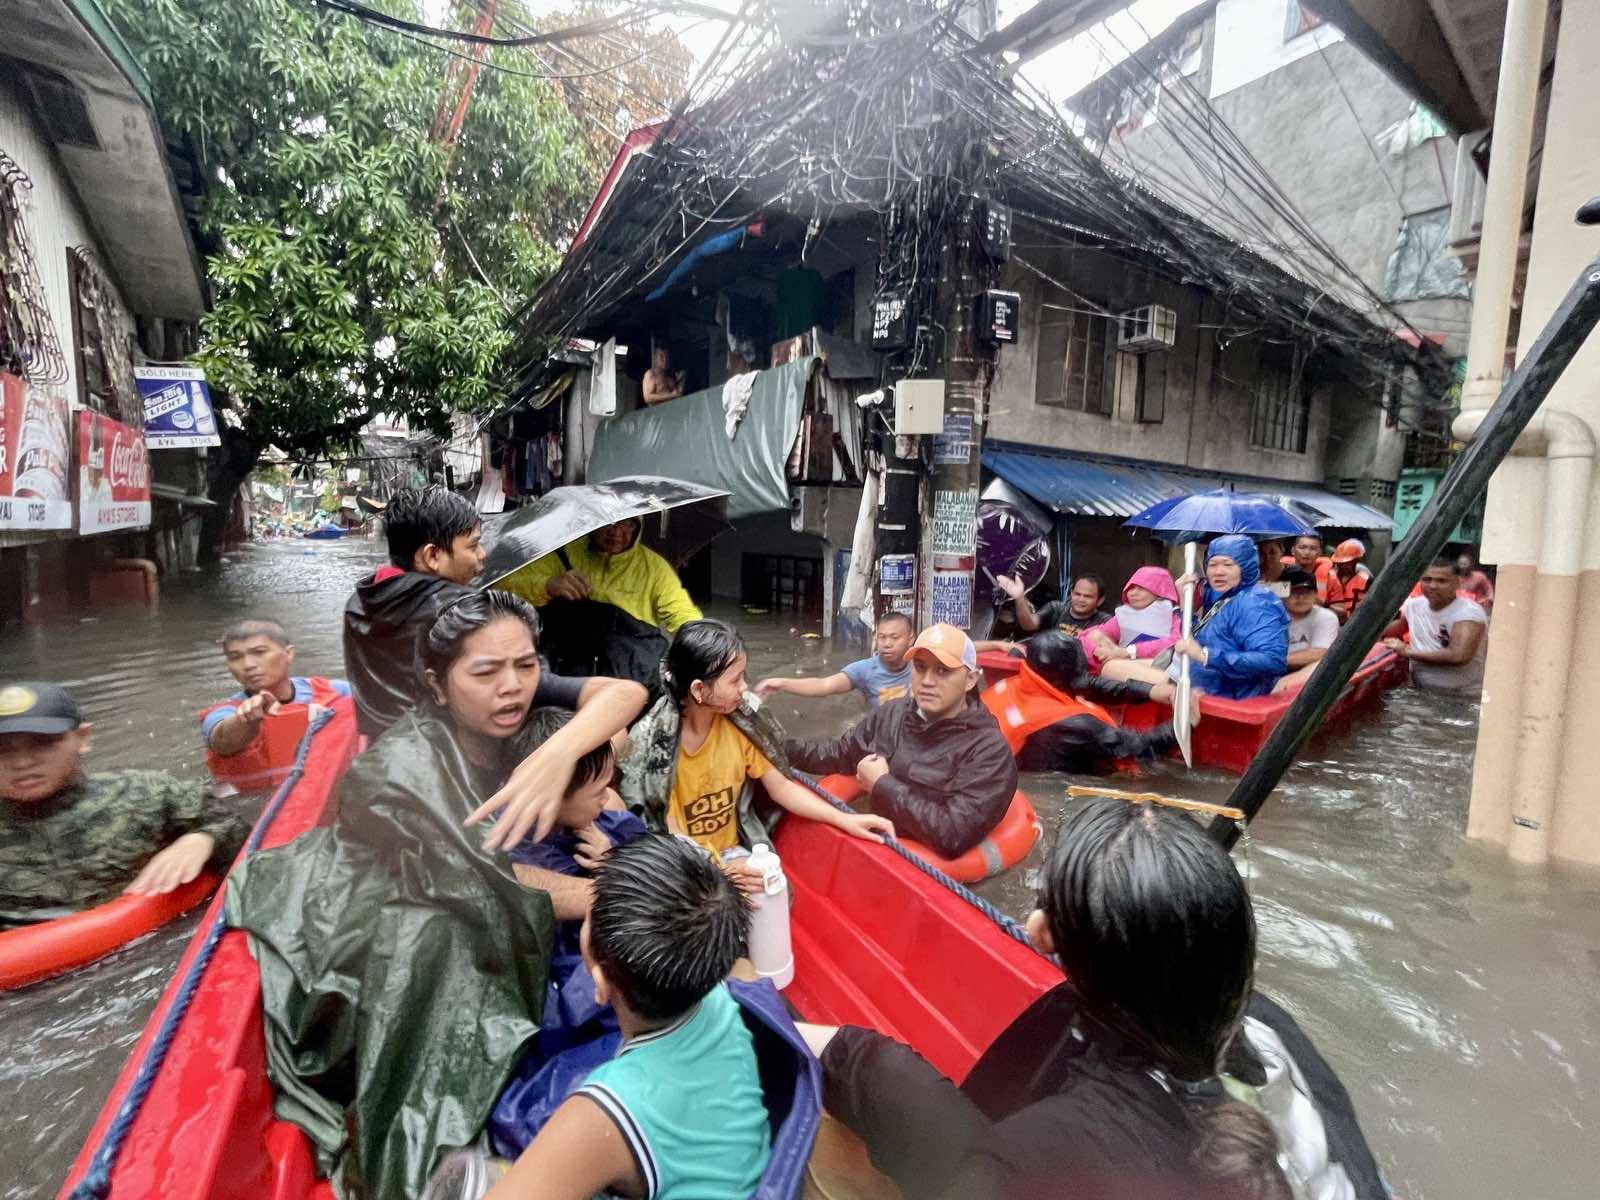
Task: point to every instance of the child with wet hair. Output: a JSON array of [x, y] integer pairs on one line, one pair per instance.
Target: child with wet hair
[[679, 1111], [589, 822]]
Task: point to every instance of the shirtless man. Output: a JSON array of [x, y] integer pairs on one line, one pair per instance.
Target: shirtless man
[[660, 382]]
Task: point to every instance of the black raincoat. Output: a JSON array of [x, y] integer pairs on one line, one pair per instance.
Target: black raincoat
[[383, 620], [402, 968]]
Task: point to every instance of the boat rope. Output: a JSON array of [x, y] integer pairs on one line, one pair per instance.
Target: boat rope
[[1006, 924], [96, 1181]]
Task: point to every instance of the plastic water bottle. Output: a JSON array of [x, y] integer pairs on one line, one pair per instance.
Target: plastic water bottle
[[769, 923]]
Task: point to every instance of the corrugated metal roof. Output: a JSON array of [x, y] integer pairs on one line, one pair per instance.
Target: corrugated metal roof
[[1100, 486]]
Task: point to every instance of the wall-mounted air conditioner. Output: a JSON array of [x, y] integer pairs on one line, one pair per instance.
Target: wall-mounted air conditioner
[[1152, 327]]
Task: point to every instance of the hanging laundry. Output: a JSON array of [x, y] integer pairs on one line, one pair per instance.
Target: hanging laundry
[[735, 399]]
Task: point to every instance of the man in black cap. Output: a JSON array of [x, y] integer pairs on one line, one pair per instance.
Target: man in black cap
[[70, 840]]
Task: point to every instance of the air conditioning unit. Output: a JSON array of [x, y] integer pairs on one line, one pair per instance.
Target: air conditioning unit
[[1152, 327]]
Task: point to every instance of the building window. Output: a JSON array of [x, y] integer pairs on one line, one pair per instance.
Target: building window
[[1150, 401], [1299, 19], [1074, 366], [1280, 408], [29, 347], [103, 337]]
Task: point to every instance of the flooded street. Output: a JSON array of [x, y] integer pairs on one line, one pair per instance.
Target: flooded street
[[1457, 996]]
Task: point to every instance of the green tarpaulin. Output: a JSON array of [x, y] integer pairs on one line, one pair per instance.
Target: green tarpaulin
[[686, 439]]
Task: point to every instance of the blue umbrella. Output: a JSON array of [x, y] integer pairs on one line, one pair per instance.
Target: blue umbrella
[[1221, 511]]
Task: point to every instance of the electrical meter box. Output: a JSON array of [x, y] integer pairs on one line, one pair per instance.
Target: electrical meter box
[[891, 322], [995, 319], [919, 406], [994, 229]]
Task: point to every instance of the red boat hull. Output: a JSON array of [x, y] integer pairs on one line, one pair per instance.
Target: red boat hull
[[876, 943], [1232, 732]]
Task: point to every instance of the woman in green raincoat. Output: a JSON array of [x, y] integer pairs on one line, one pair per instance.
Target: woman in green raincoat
[[403, 967]]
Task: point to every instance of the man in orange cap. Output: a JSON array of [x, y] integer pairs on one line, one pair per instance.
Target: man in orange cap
[[934, 762], [1352, 577]]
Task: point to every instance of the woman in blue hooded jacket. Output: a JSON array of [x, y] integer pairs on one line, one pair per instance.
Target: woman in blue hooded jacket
[[1240, 644]]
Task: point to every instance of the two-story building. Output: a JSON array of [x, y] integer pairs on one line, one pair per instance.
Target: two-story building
[[1252, 376], [98, 275]]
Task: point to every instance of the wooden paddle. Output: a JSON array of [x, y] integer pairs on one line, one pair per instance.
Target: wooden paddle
[[1181, 723]]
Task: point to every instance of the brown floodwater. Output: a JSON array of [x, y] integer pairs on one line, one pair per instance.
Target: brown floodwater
[[1458, 996]]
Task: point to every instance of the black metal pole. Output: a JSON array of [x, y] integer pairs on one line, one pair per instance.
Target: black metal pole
[[1466, 480]]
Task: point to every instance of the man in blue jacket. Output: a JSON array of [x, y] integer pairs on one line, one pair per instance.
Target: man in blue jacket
[[1240, 644]]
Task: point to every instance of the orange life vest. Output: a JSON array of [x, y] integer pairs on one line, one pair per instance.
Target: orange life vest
[[265, 761], [1024, 704]]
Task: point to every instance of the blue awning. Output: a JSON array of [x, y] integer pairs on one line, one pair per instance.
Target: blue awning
[[1093, 485]]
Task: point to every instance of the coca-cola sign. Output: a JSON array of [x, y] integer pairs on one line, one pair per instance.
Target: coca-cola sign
[[35, 492], [113, 475]]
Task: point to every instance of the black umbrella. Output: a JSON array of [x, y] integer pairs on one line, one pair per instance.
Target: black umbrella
[[679, 518]]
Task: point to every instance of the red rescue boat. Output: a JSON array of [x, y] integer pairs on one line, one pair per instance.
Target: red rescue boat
[[876, 942], [1231, 732]]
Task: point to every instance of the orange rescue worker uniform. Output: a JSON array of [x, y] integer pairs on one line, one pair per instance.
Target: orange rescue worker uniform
[[267, 759], [1024, 703]]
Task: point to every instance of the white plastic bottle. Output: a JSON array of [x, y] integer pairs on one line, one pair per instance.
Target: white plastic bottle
[[769, 923]]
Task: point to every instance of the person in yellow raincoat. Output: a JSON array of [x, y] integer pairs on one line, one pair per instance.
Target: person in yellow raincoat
[[613, 566]]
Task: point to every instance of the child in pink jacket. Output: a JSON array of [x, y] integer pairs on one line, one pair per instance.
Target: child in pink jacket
[[1148, 621]]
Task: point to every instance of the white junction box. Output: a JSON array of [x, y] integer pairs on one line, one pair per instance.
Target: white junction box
[[919, 406]]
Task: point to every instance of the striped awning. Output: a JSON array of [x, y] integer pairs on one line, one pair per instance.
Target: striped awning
[[1094, 485]]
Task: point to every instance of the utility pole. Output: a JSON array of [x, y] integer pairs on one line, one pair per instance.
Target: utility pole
[[950, 503]]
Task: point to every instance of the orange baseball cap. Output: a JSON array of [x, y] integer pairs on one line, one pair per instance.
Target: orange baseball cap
[[946, 644], [1349, 550]]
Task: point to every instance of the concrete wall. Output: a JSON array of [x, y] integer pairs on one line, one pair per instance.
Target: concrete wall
[[1538, 749], [1251, 42], [1314, 125], [53, 216], [1206, 422]]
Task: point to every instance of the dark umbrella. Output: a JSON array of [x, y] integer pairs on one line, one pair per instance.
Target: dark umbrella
[[1221, 511], [679, 518]]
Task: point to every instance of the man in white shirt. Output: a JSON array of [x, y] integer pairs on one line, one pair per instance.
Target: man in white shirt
[[1312, 628], [1448, 634]]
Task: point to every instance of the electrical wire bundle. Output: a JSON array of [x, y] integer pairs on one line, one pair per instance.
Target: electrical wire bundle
[[884, 108]]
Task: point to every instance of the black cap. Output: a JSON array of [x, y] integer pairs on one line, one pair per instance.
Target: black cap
[[1298, 577], [38, 708]]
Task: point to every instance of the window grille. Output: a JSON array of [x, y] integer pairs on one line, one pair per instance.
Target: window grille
[[29, 346]]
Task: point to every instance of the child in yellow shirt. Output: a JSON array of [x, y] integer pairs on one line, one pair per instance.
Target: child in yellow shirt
[[705, 677]]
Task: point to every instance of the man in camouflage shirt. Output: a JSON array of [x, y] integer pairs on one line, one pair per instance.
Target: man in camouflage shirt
[[70, 840]]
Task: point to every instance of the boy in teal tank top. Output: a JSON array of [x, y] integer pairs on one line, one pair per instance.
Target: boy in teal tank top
[[678, 1114]]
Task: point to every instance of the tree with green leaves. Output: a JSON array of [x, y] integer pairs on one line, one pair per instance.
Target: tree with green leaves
[[357, 264]]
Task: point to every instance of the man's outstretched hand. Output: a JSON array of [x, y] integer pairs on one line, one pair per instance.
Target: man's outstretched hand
[[174, 866]]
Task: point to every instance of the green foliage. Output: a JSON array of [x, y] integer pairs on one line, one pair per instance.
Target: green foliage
[[356, 267]]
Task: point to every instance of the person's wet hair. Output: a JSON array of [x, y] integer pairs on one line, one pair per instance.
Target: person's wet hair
[[700, 650], [441, 644], [542, 725], [251, 627], [1445, 563], [893, 615], [430, 516], [1058, 659], [1154, 927], [666, 925]]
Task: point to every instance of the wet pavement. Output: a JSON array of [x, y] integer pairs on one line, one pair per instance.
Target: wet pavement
[[1458, 997]]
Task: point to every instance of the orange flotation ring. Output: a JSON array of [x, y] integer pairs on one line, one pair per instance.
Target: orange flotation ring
[[1006, 845], [36, 952]]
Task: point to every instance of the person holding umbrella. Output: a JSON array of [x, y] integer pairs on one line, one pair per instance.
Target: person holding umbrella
[[1239, 645], [613, 566]]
